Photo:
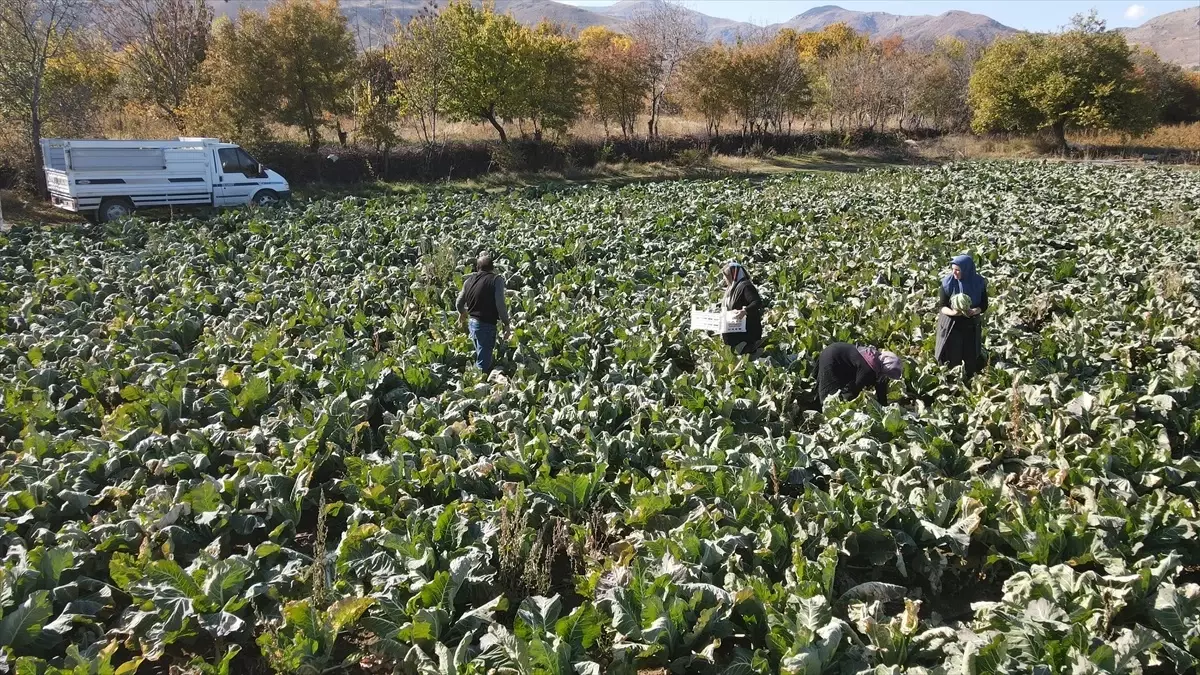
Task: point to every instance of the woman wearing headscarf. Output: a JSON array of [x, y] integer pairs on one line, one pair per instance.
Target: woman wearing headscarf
[[847, 370], [742, 298], [960, 333]]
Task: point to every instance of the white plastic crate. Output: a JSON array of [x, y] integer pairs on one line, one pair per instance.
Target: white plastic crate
[[717, 322]]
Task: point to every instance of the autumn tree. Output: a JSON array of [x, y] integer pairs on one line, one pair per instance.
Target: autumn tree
[[420, 58], [616, 75], [552, 96], [744, 84], [292, 65], [235, 92], [766, 84], [838, 59], [164, 43], [376, 112], [81, 82], [311, 52], [942, 81], [848, 79], [1174, 94], [1082, 78], [486, 79], [33, 34], [813, 46], [789, 92], [705, 77], [669, 33], [895, 81]]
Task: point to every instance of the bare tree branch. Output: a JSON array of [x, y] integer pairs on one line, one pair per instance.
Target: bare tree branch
[[670, 33], [164, 42], [32, 34]]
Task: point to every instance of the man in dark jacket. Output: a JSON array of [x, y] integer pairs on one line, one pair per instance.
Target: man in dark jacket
[[480, 306]]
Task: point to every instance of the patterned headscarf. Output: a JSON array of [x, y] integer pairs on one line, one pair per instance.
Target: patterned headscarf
[[888, 364], [733, 273]]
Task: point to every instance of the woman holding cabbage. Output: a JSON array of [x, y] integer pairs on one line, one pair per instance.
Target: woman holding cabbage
[[960, 328]]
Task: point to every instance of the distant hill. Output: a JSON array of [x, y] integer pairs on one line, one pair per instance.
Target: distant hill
[[373, 20], [370, 18], [920, 29], [715, 29], [1174, 37], [532, 12]]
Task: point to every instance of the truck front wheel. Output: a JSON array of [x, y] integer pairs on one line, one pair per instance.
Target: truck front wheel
[[114, 208], [265, 198]]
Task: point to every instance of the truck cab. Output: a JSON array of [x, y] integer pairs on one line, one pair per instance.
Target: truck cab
[[240, 179], [111, 179]]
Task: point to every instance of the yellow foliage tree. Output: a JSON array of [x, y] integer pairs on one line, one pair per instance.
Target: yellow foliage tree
[[1082, 78], [705, 85], [420, 58], [228, 100], [293, 66], [831, 40], [617, 77], [164, 43], [81, 81], [486, 76], [33, 35]]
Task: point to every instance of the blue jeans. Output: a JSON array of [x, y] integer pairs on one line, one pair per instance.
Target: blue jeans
[[484, 337]]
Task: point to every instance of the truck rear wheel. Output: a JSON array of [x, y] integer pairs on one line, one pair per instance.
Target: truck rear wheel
[[114, 208]]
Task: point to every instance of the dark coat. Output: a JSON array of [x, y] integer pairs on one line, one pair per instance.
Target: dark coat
[[841, 369], [745, 296], [960, 338]]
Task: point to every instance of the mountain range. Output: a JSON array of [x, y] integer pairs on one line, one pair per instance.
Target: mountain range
[[1174, 36]]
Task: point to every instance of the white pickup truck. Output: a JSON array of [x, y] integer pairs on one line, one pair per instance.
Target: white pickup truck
[[109, 179]]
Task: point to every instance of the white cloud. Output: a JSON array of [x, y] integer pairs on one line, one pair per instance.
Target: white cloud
[[1135, 12]]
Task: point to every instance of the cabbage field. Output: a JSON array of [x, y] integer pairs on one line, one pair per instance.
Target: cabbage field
[[253, 443]]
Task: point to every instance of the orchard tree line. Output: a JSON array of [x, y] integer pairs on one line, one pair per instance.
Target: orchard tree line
[[65, 63]]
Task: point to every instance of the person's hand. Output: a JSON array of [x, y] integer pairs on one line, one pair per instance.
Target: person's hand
[[974, 311], [740, 314], [462, 321]]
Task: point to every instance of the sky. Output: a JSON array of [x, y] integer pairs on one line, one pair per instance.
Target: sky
[[1032, 15]]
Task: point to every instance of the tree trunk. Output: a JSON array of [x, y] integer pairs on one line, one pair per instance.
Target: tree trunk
[[652, 125], [1060, 134], [314, 139], [490, 115], [39, 171]]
